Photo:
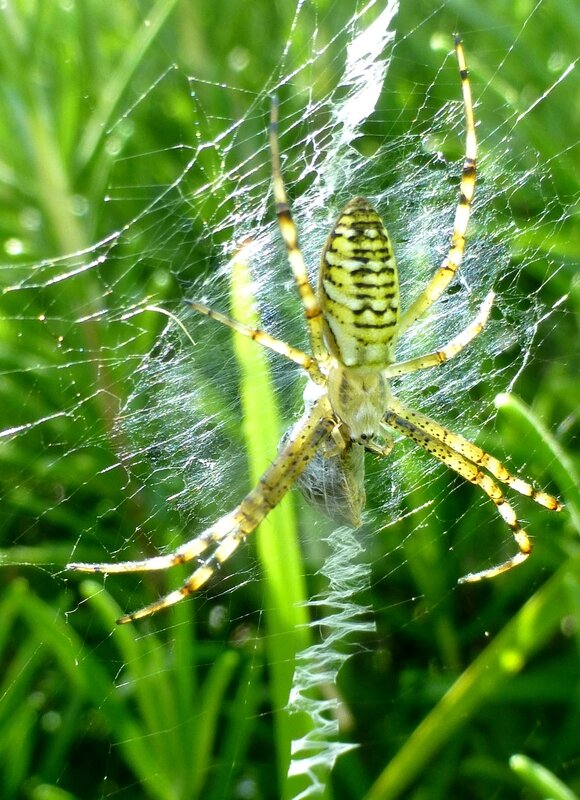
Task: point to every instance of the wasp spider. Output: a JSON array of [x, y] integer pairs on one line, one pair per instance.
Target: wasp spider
[[354, 322]]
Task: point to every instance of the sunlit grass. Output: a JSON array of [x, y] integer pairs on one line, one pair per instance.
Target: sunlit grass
[[172, 708]]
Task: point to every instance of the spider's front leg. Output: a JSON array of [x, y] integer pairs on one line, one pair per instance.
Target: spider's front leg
[[470, 461], [230, 531]]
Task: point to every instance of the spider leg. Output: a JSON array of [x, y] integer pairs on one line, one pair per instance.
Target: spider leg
[[450, 350], [312, 310], [440, 281], [382, 449], [472, 473], [277, 345], [230, 531], [461, 446], [466, 460]]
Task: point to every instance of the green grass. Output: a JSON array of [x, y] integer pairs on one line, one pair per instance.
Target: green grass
[[467, 692]]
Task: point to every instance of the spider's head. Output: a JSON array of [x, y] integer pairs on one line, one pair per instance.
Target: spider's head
[[358, 396]]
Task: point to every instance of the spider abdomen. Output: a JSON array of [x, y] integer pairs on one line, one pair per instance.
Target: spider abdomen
[[359, 288]]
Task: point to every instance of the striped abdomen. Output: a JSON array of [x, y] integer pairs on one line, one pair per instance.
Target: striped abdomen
[[359, 288]]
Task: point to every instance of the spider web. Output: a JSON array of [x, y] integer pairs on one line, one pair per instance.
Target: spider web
[[141, 400]]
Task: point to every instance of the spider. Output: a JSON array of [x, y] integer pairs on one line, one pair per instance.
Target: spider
[[354, 322]]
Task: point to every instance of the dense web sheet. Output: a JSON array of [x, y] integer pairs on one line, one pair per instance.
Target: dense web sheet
[[143, 400]]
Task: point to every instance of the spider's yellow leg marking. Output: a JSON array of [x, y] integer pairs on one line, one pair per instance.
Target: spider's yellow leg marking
[[472, 473], [291, 353], [471, 452], [312, 310], [359, 288], [440, 281], [450, 350], [230, 531]]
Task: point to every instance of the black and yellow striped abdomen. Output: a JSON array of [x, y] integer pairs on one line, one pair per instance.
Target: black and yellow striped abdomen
[[359, 288]]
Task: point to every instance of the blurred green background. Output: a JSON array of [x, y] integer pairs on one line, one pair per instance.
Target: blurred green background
[[461, 693]]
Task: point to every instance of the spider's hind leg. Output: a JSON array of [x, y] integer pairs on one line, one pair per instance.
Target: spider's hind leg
[[451, 263], [448, 351], [303, 360], [312, 309]]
